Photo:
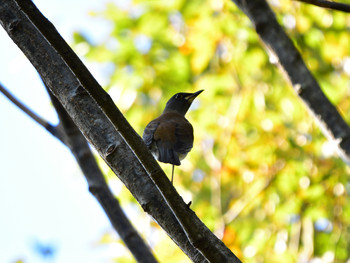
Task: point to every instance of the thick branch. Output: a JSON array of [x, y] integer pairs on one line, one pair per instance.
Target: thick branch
[[275, 39], [51, 55], [328, 4]]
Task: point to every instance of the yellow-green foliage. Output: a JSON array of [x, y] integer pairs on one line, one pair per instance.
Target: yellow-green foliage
[[261, 175]]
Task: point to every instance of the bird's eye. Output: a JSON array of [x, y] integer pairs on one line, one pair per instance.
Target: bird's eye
[[178, 96]]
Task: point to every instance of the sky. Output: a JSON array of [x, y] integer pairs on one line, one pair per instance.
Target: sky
[[44, 200]]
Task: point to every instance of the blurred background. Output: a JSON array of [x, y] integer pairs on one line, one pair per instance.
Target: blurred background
[[261, 175]]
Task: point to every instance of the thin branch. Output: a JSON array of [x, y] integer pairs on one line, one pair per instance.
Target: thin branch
[[328, 4], [50, 128]]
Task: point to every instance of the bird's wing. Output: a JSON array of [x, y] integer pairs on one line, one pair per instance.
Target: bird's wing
[[165, 139], [148, 133], [184, 135]]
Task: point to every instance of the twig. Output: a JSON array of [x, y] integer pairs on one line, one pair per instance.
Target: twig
[[20, 105], [49, 127], [328, 4]]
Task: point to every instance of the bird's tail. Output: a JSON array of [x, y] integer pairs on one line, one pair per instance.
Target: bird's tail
[[168, 155]]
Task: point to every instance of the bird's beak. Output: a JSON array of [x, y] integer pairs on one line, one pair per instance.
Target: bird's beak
[[192, 96]]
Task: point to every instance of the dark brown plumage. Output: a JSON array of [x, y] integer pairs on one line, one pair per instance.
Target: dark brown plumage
[[170, 136]]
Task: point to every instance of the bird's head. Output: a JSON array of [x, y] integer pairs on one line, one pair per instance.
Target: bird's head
[[181, 102]]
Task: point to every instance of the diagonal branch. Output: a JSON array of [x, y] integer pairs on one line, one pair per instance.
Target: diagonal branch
[[328, 4], [276, 40], [50, 128], [69, 134], [112, 136]]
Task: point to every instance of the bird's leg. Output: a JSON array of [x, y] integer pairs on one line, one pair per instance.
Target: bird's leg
[[172, 174]]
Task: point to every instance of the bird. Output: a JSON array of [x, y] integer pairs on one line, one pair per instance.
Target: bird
[[170, 136]]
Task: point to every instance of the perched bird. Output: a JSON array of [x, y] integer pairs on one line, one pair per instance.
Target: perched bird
[[170, 136]]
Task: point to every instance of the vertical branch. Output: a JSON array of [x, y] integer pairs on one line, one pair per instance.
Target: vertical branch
[[307, 237]]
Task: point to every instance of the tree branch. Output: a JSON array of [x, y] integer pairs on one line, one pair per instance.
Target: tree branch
[[68, 79], [306, 86], [328, 4], [99, 188], [69, 134], [45, 124]]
